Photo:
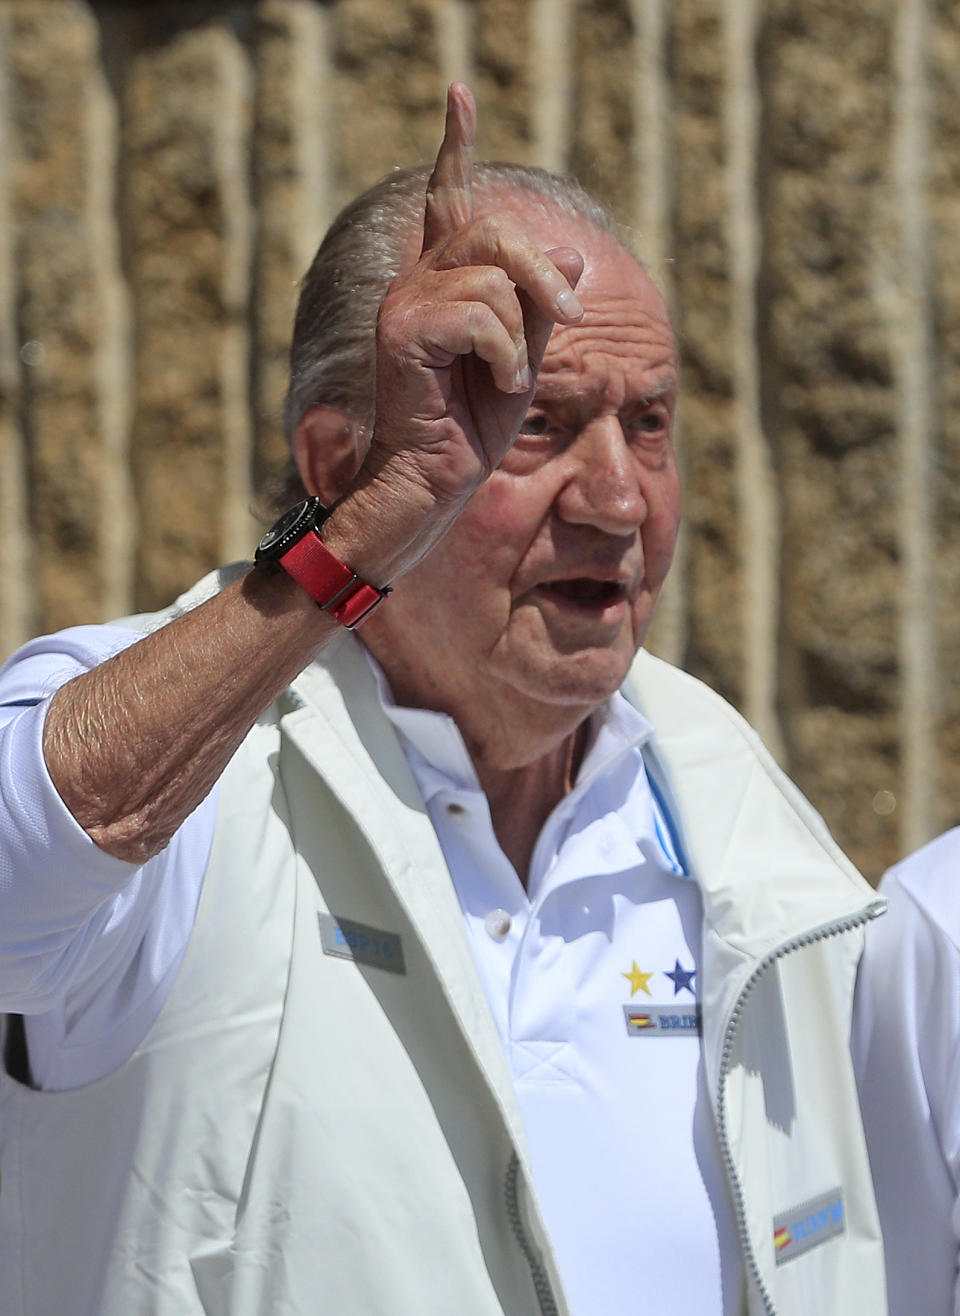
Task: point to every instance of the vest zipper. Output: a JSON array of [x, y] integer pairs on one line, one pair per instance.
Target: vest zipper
[[541, 1284], [848, 924]]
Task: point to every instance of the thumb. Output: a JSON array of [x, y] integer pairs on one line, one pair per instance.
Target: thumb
[[569, 262]]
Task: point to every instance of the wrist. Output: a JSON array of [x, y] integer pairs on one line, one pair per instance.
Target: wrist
[[409, 520], [294, 543]]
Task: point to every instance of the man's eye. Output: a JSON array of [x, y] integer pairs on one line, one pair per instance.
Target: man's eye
[[535, 423], [649, 422]]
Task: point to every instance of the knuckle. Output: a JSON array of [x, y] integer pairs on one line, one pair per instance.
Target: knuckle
[[493, 282], [482, 318], [394, 325], [481, 235], [488, 226]]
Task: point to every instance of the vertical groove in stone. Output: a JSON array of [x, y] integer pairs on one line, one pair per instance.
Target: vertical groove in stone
[[112, 355], [314, 119], [229, 145], [701, 275], [830, 405], [601, 150], [53, 58], [186, 269], [942, 219], [503, 63], [912, 363], [550, 36], [455, 40], [291, 181], [388, 90], [651, 140], [758, 511], [652, 237], [15, 590]]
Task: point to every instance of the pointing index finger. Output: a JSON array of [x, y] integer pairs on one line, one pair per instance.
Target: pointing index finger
[[449, 200]]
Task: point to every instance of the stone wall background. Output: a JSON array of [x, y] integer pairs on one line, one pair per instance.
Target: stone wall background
[[791, 171]]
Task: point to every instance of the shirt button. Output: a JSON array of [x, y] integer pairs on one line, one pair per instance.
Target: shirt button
[[497, 924], [455, 810]]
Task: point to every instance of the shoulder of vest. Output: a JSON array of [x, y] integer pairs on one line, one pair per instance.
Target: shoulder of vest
[[753, 839]]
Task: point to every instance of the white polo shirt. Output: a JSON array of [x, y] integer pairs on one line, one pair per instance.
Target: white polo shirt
[[591, 974]]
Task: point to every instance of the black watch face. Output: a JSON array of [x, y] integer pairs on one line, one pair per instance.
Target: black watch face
[[293, 525]]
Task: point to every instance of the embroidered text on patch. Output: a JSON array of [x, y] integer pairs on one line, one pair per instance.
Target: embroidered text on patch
[[361, 943], [808, 1225], [662, 1020]]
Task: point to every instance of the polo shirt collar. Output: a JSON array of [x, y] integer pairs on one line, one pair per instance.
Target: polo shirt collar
[[440, 760]]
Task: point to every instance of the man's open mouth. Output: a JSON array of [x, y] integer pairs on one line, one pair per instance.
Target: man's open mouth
[[585, 592]]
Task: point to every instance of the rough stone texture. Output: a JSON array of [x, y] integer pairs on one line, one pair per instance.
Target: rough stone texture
[[702, 295], [830, 396], [175, 226], [389, 90], [279, 248], [239, 137], [52, 56], [856, 781], [504, 63], [601, 149], [18, 603], [945, 468]]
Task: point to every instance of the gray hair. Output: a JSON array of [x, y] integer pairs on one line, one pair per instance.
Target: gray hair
[[333, 352]]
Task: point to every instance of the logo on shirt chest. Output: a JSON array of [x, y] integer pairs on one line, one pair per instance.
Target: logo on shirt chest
[[662, 1021], [681, 978], [676, 1020]]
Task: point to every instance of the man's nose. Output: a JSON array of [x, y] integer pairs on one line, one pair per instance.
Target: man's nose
[[604, 487]]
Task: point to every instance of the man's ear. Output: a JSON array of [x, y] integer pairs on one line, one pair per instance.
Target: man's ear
[[328, 447]]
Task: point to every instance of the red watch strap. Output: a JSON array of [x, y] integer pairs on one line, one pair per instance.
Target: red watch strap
[[330, 582]]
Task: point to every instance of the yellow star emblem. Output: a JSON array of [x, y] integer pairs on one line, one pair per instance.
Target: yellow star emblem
[[637, 980]]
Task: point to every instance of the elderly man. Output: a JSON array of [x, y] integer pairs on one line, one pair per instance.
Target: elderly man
[[431, 974]]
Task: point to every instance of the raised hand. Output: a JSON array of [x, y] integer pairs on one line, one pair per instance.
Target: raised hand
[[462, 332]]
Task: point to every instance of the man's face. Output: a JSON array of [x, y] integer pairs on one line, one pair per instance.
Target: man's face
[[544, 589]]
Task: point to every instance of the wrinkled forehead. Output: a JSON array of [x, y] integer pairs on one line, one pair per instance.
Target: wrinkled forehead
[[540, 216], [550, 225], [604, 256], [544, 220]]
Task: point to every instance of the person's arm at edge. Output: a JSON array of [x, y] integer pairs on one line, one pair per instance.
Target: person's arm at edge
[[904, 1045]]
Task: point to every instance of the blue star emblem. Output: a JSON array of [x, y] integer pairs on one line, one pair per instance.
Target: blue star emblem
[[682, 978]]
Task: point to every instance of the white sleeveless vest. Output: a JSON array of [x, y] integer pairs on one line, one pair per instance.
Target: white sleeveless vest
[[307, 1130]]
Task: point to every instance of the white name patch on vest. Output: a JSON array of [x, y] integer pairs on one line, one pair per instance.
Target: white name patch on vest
[[361, 943], [807, 1226], [662, 1020]]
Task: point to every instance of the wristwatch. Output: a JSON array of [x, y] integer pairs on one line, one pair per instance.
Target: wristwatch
[[294, 541]]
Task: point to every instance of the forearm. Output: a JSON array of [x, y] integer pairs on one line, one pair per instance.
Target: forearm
[[134, 745]]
